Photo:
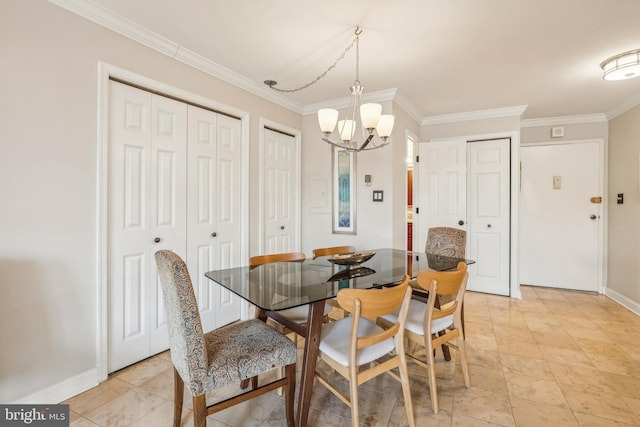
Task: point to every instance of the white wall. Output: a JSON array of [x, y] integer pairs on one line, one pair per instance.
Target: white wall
[[48, 156]]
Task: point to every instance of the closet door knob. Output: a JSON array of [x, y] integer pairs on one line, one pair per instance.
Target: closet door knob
[[282, 227], [461, 222], [157, 240], [214, 234]]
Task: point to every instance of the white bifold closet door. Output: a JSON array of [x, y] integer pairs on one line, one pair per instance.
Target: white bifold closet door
[[172, 185]]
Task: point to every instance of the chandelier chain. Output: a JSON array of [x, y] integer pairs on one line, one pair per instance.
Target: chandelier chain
[[355, 41]]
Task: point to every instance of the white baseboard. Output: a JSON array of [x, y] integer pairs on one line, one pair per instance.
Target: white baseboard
[[63, 390], [623, 301]]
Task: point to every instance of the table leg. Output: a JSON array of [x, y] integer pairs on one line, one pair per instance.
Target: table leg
[[311, 345]]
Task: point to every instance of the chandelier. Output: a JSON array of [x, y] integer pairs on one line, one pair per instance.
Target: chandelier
[[366, 116], [623, 66]]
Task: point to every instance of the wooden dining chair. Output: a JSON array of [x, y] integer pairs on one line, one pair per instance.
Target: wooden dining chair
[[231, 354], [334, 250], [430, 327], [359, 350]]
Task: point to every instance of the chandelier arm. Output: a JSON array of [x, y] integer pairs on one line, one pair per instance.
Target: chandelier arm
[[341, 146]]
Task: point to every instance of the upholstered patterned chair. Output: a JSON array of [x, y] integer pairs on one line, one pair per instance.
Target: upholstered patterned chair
[[208, 361], [446, 241]]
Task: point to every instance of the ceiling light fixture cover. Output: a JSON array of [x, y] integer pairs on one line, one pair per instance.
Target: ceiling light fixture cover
[[623, 66]]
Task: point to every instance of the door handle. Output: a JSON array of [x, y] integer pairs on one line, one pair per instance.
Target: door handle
[[282, 227], [157, 240], [488, 225], [593, 217], [461, 222], [214, 234]]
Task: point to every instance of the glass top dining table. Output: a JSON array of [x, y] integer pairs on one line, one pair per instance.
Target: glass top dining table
[[284, 285]]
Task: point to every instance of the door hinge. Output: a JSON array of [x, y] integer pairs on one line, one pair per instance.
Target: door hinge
[[417, 210], [417, 159]]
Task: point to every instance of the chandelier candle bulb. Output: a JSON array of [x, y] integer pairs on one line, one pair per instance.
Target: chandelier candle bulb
[[327, 118], [347, 129], [370, 114], [385, 126]]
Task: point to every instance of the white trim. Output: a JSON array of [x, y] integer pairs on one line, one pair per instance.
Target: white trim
[[408, 108], [627, 303], [63, 390], [629, 104], [105, 71], [475, 115], [297, 134], [100, 15], [564, 120], [379, 96]]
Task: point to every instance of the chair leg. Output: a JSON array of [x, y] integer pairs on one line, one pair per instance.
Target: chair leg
[[289, 394], [406, 387], [463, 359], [178, 395], [432, 377], [200, 410], [353, 395]]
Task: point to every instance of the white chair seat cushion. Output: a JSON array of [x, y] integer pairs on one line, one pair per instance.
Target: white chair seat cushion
[[415, 319], [336, 336], [300, 314]]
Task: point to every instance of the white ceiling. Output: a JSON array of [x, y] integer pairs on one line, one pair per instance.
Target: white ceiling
[[442, 56]]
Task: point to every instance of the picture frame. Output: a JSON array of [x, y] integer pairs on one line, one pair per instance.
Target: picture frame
[[344, 191]]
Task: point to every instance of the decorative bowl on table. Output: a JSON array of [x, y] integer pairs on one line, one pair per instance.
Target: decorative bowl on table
[[351, 260]]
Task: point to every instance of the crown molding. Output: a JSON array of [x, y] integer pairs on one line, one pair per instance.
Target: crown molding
[[475, 115], [408, 107], [114, 22], [629, 104], [340, 103], [564, 120]]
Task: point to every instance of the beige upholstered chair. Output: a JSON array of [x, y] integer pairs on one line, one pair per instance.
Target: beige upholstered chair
[[446, 241], [430, 327], [208, 361], [360, 350]]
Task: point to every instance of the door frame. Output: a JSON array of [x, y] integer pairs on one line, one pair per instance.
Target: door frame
[[514, 283], [297, 134], [602, 225], [105, 73]]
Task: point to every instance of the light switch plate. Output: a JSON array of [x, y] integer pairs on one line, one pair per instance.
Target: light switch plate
[[557, 182]]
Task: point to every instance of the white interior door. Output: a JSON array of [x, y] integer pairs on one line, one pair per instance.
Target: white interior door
[[280, 192], [213, 230], [147, 212], [442, 188], [488, 235], [560, 227]]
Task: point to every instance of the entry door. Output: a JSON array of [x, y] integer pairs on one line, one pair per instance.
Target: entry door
[[147, 212], [489, 215], [560, 226], [466, 185], [213, 221], [280, 192]]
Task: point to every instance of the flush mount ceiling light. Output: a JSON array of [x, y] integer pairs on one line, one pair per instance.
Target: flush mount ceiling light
[[623, 66], [368, 117]]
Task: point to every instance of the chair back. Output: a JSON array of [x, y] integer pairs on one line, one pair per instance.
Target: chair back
[[446, 241], [257, 260], [445, 283], [372, 303], [186, 337], [334, 250]]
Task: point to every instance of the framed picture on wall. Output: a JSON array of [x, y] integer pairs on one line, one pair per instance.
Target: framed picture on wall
[[344, 192]]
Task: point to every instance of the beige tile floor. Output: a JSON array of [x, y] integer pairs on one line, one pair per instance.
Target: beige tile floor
[[554, 358]]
